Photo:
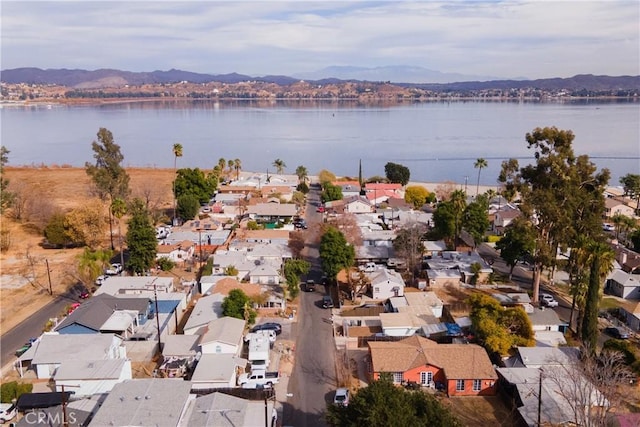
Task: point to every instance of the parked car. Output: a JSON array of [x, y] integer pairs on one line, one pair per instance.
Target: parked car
[[22, 350], [617, 333], [114, 270], [309, 286], [8, 412], [548, 300], [320, 209], [258, 379], [327, 302], [608, 227], [269, 326], [100, 280], [341, 397], [84, 295]]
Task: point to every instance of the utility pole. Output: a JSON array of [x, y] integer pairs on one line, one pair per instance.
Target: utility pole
[[155, 296], [540, 399], [49, 276]]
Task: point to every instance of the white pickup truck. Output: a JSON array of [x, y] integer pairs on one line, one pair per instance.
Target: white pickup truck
[[258, 379]]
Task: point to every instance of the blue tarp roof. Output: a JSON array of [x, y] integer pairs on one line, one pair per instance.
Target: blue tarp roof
[[453, 330]]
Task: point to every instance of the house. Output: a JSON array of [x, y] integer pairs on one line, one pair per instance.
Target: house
[[266, 236], [459, 369], [614, 207], [216, 371], [178, 253], [52, 350], [271, 212], [504, 217], [207, 308], [357, 204], [144, 402], [219, 409], [433, 249], [104, 313], [400, 324], [631, 314], [385, 284], [33, 404], [264, 274], [441, 278], [132, 285], [623, 285], [179, 354], [88, 377], [223, 335], [423, 303]]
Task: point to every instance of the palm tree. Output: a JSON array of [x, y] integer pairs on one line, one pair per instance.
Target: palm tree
[[459, 203], [302, 173], [230, 165], [119, 209], [91, 264], [479, 164], [601, 261], [177, 152], [279, 165], [237, 164]]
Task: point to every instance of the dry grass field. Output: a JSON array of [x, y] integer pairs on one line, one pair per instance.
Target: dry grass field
[[24, 282]]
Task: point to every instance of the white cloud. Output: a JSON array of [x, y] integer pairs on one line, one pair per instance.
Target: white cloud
[[526, 38]]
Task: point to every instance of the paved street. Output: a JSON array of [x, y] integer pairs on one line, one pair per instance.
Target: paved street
[[313, 379]]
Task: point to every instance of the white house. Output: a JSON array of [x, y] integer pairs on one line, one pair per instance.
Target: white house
[[216, 371], [357, 204], [223, 335], [386, 283], [264, 274], [207, 308], [132, 285], [52, 350], [400, 324], [178, 253], [87, 377], [623, 285]]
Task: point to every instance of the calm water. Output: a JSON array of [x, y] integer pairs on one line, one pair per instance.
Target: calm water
[[437, 141]]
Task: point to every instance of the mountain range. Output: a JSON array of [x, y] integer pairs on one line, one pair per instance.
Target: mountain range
[[404, 76]]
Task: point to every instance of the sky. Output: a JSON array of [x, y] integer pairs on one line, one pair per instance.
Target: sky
[[511, 39]]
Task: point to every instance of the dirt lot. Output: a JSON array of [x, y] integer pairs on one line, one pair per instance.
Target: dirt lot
[[24, 283]]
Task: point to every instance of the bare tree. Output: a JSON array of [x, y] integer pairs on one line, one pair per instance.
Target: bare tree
[[358, 282], [592, 386], [348, 225]]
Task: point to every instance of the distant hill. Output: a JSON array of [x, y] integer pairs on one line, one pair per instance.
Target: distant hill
[[84, 79], [393, 74]]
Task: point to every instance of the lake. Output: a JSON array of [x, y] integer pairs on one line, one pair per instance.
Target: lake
[[438, 141]]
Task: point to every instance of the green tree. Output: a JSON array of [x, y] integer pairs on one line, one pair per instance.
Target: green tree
[[188, 206], [237, 304], [230, 270], [302, 188], [13, 390], [561, 194], [600, 264], [479, 164], [330, 192], [6, 197], [631, 184], [165, 264], [302, 174], [397, 173], [108, 175], [141, 239], [444, 221], [196, 183], [499, 328], [280, 165], [335, 252], [383, 404], [416, 195], [177, 152], [517, 243], [475, 220], [293, 269], [91, 264], [56, 231]]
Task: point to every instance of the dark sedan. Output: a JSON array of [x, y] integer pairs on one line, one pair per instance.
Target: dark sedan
[[269, 326], [617, 333]]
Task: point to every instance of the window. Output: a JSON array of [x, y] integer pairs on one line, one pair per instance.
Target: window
[[426, 378], [398, 377], [459, 385], [477, 385]]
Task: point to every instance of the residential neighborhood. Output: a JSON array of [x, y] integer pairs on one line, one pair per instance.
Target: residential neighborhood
[[163, 349]]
